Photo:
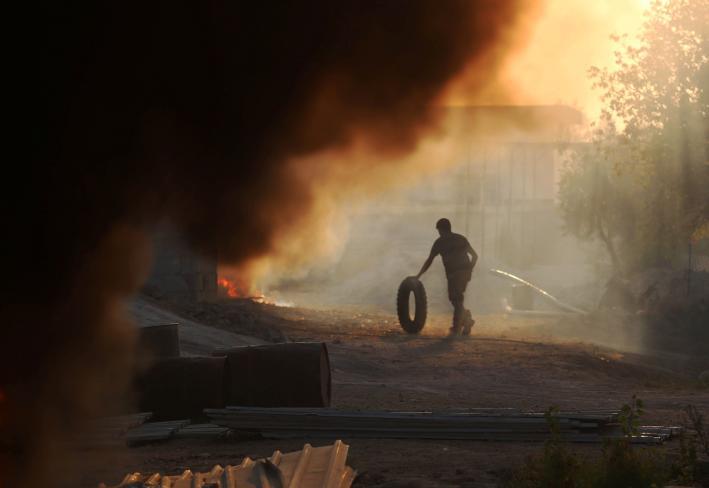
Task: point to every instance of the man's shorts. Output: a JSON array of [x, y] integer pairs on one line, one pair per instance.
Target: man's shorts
[[457, 282]]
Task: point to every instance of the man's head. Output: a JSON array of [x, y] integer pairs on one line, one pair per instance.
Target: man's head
[[443, 226]]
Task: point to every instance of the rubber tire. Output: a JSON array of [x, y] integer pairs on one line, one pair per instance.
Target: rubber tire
[[408, 286]]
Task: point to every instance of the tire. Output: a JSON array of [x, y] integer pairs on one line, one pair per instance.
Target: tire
[[408, 286]]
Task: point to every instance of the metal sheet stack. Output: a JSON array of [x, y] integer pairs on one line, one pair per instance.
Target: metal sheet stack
[[203, 431], [503, 425], [134, 430], [154, 431]]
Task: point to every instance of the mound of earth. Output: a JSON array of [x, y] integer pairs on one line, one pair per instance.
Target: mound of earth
[[196, 338], [235, 315]]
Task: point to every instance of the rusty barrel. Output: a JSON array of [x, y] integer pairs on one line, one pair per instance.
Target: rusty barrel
[[294, 374], [180, 388], [159, 341]]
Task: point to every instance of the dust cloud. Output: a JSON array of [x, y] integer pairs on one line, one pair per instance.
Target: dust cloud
[[547, 63]]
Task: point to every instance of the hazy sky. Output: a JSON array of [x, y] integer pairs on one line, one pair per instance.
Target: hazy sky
[[564, 38]]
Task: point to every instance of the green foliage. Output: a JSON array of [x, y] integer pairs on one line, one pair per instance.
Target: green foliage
[[619, 465], [559, 466], [623, 466], [686, 468], [629, 417], [640, 186], [694, 421], [693, 440], [556, 468]]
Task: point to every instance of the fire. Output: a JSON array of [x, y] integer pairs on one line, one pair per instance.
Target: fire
[[236, 289], [232, 288]]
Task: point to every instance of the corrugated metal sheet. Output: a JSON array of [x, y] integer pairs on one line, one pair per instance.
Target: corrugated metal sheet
[[312, 467]]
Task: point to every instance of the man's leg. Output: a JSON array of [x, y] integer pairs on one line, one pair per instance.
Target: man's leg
[[455, 294], [467, 319], [458, 317], [468, 322]]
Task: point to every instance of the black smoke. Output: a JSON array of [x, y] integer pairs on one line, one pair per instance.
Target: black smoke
[[138, 111]]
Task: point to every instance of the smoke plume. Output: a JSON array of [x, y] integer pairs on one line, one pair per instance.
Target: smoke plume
[[196, 112]]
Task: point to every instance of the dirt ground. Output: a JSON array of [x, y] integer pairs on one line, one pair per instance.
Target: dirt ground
[[514, 362]]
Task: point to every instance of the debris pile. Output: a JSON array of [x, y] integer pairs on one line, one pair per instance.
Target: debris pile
[[237, 315], [489, 425], [312, 467]]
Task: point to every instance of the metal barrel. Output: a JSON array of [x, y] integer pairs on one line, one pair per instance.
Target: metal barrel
[[159, 341], [181, 388], [295, 374]]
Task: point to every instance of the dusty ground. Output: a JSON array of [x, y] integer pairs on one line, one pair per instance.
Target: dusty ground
[[509, 362]]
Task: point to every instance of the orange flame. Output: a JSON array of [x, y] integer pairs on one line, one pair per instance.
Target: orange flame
[[232, 288], [238, 289]]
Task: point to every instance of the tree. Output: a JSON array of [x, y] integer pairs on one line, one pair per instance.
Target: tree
[[641, 186]]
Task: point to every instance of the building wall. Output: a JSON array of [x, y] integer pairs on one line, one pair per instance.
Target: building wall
[[501, 194], [179, 273]]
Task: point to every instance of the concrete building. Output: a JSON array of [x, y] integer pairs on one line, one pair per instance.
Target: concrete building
[[178, 272]]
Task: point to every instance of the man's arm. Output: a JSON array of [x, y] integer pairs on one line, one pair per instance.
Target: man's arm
[[473, 254], [431, 256], [426, 265]]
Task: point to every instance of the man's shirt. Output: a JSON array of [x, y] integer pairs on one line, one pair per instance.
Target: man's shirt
[[453, 249]]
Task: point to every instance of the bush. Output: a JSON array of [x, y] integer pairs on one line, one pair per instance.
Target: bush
[[619, 465]]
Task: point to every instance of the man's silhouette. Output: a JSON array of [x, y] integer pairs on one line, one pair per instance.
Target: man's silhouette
[[454, 250]]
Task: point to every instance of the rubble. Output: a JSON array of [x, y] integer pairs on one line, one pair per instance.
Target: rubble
[[236, 315]]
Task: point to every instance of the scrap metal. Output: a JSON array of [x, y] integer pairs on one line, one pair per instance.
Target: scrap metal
[[312, 467], [546, 295]]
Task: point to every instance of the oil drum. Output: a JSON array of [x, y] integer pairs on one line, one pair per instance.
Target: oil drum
[[294, 374], [180, 388]]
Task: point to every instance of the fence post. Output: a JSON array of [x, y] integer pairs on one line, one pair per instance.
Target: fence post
[[689, 267]]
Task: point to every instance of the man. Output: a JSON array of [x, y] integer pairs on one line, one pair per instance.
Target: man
[[454, 250]]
